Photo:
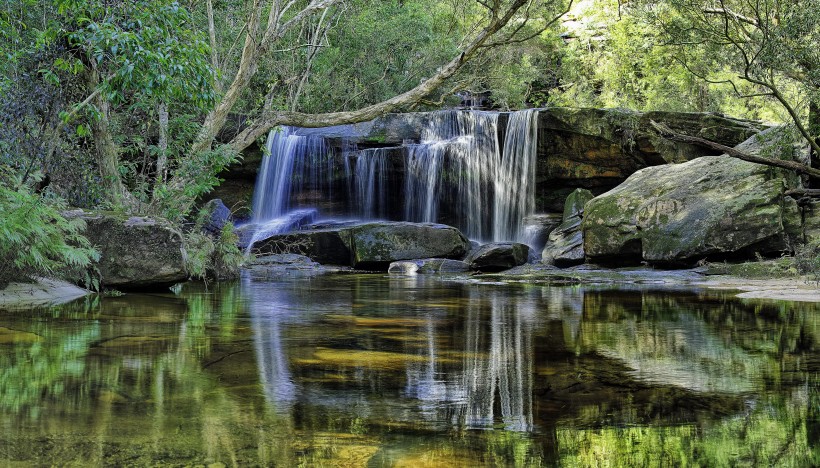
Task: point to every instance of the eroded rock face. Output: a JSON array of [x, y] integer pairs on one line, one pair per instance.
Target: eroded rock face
[[709, 207], [135, 252], [565, 244], [498, 256]]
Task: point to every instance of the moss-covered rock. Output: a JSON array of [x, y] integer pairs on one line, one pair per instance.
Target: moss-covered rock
[[370, 245], [680, 213], [378, 244], [135, 252]]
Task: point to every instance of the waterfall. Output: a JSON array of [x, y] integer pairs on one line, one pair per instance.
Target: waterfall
[[463, 171], [294, 163], [369, 183], [459, 165]]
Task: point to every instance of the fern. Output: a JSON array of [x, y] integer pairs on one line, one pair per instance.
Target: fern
[[36, 239]]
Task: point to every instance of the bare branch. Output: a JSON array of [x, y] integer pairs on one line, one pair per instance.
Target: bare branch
[[669, 134]]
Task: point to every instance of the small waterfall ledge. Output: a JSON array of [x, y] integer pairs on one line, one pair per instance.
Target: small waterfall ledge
[[467, 170]]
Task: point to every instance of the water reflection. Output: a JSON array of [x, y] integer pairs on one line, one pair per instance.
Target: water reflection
[[369, 370]]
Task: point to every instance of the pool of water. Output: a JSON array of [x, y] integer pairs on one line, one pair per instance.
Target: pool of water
[[370, 370]]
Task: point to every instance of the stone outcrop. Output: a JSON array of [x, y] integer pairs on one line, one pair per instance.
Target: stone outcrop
[[369, 245], [135, 252], [565, 246], [498, 256], [216, 216], [40, 292], [711, 207]]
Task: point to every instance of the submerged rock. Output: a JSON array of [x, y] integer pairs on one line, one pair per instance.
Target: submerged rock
[[712, 206], [135, 252], [565, 244], [427, 266], [498, 256]]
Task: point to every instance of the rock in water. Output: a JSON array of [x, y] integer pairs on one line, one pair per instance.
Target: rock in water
[[498, 256], [565, 244], [681, 213], [370, 245], [135, 252], [378, 244], [427, 266]]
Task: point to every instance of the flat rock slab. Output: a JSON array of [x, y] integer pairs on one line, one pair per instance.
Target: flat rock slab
[[43, 292], [428, 266]]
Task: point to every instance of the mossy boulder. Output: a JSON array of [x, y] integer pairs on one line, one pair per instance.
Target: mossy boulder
[[711, 207], [498, 256], [565, 246], [135, 252], [379, 244]]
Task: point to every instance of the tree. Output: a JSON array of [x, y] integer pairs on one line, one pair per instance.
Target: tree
[[771, 45], [148, 72]]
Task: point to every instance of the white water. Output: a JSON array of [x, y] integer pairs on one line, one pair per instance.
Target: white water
[[461, 172]]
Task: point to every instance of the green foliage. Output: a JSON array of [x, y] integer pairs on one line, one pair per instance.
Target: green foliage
[[35, 238], [807, 260], [212, 256]]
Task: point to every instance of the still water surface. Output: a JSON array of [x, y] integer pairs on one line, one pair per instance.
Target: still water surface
[[368, 370]]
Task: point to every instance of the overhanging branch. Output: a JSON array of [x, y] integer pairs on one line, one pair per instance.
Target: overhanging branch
[[669, 134]]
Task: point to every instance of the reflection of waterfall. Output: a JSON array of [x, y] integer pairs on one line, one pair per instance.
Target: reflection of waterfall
[[507, 370], [269, 312], [496, 371]]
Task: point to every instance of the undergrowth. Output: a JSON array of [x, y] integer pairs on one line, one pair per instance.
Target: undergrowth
[[36, 239]]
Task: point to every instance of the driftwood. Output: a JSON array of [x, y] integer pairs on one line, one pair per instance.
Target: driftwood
[[669, 134]]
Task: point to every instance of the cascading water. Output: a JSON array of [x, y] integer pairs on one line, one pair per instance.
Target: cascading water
[[462, 172], [294, 163], [459, 165]]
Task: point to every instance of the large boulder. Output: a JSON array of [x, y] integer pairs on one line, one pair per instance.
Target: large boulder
[[379, 244], [599, 148], [498, 256], [370, 245], [711, 207], [565, 244], [215, 216], [135, 252]]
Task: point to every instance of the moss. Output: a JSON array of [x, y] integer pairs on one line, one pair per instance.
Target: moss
[[767, 269]]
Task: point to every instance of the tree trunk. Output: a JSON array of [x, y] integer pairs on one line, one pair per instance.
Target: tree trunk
[[212, 37], [106, 151], [814, 131], [162, 158]]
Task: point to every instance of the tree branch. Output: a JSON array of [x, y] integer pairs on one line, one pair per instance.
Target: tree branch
[[669, 134], [270, 120]]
